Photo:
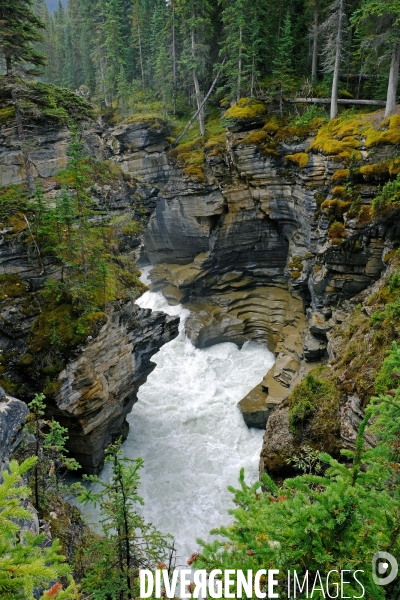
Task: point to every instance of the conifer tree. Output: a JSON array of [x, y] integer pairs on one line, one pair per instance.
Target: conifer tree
[[53, 459], [195, 22], [379, 25], [234, 17], [334, 28], [27, 564], [129, 542], [282, 65], [59, 43]]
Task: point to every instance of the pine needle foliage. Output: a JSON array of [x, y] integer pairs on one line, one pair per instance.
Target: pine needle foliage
[[336, 520], [28, 562], [128, 542]]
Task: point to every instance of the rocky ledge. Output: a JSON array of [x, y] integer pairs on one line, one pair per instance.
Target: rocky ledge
[[13, 413], [100, 387]]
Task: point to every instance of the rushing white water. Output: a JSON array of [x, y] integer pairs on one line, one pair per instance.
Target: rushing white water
[[188, 428]]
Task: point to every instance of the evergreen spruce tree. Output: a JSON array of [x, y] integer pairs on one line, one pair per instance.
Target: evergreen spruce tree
[[282, 65], [60, 47], [27, 564], [379, 25], [335, 29], [234, 18], [50, 450], [129, 543], [194, 16]]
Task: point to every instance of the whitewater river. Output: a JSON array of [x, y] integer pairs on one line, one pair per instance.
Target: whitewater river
[[190, 433]]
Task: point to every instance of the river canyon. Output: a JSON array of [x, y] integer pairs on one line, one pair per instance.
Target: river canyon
[[245, 290]]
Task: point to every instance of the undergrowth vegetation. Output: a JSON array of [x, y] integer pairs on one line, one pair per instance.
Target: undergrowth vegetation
[[343, 137], [190, 154], [40, 101], [93, 272]]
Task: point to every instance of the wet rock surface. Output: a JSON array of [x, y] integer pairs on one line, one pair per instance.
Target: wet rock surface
[[247, 251], [13, 413], [100, 387]]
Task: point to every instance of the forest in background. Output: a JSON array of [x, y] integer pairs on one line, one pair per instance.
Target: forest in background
[[137, 55]]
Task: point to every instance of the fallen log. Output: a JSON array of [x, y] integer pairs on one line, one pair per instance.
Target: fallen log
[[340, 101]]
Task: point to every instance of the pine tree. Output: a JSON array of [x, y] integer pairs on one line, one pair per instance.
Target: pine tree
[[379, 25], [194, 16], [114, 46], [26, 563], [334, 28], [234, 16], [50, 450], [282, 65], [60, 48], [129, 542]]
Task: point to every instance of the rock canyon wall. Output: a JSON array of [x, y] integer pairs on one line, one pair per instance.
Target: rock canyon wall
[[246, 249]]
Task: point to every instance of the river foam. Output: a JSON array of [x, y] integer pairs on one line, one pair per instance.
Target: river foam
[[187, 427]]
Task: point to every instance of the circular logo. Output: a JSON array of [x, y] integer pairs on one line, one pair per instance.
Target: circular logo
[[384, 568]]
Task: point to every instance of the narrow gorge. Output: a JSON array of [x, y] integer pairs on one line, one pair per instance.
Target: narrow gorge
[[244, 249]]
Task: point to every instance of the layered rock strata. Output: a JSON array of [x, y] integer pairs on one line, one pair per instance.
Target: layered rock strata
[[248, 253], [248, 249], [100, 381], [100, 387]]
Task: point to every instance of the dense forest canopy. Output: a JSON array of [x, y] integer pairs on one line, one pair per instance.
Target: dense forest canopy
[[127, 52]]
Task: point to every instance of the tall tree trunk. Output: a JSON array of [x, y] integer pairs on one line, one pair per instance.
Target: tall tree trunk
[[141, 55], [314, 64], [20, 129], [252, 78], [239, 79], [197, 87], [335, 82], [393, 81]]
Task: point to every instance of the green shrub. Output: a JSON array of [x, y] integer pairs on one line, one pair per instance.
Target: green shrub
[[388, 198], [315, 523], [13, 199], [307, 397]]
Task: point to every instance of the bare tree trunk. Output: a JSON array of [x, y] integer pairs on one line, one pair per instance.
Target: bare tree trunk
[[140, 55], [239, 66], [314, 64], [178, 139], [252, 78], [335, 82], [393, 81], [197, 89]]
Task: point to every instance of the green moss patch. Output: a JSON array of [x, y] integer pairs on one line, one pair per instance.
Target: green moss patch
[[13, 200], [7, 114], [301, 158], [190, 157], [342, 137], [245, 111], [314, 406]]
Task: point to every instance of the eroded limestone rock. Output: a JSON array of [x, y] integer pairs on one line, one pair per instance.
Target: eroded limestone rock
[[100, 387]]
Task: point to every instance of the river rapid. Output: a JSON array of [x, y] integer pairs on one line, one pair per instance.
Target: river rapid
[[187, 427]]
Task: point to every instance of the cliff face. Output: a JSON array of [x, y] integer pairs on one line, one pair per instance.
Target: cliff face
[[247, 250], [100, 387], [99, 380]]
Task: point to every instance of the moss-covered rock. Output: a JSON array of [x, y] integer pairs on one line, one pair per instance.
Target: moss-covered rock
[[247, 110], [45, 101], [301, 158]]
